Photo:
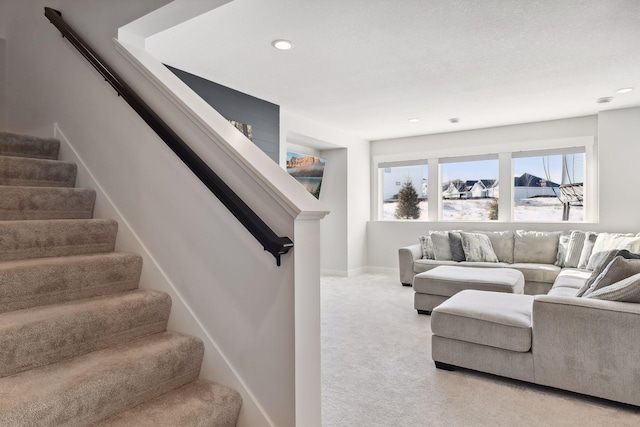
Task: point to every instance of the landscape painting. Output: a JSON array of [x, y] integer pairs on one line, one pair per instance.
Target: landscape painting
[[307, 170]]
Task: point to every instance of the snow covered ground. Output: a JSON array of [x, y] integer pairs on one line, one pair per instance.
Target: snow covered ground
[[533, 209]]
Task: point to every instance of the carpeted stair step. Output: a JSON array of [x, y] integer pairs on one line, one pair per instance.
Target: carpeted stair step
[[41, 335], [59, 237], [12, 144], [95, 386], [36, 172], [197, 404], [42, 281], [45, 203]]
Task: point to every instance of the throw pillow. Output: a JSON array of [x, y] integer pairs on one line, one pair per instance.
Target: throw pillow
[[427, 247], [502, 243], [455, 244], [609, 241], [618, 269], [441, 246], [477, 247], [574, 249], [626, 290], [589, 239], [605, 259], [563, 248]]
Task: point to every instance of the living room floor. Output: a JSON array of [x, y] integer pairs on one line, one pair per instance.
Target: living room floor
[[377, 371]]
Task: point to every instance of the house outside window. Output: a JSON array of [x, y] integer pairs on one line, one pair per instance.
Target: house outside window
[[549, 187], [394, 180], [470, 190]]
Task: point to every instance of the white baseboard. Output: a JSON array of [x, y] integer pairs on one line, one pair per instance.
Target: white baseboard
[[338, 273], [382, 270], [215, 366]]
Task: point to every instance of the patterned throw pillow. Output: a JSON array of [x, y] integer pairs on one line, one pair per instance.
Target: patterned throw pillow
[[587, 247], [574, 249], [477, 247], [618, 269], [563, 248], [455, 244], [427, 247], [626, 290], [441, 246]]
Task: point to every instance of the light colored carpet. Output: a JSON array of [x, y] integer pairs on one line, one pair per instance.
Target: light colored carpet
[[377, 371]]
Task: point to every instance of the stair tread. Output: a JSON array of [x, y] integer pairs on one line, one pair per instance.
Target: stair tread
[[98, 385], [199, 403], [38, 203], [45, 334], [28, 146], [19, 171], [57, 237]]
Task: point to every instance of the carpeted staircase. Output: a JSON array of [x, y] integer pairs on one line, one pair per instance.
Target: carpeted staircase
[[80, 344]]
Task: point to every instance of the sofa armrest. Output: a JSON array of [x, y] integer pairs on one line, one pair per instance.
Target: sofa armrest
[[587, 346], [406, 256]]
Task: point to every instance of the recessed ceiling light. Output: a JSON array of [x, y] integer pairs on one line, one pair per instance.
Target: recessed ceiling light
[[414, 120], [454, 120], [604, 99], [625, 90], [282, 44]]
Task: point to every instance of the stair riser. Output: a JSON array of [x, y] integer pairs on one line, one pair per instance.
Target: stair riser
[[28, 146], [40, 239], [98, 385], [18, 171], [39, 336], [42, 282], [29, 203]]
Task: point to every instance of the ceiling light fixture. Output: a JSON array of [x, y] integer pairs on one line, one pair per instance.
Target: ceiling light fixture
[[454, 120], [625, 90], [281, 44], [414, 120], [604, 100]]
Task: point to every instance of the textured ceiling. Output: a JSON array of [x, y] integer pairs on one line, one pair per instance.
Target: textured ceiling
[[367, 66]]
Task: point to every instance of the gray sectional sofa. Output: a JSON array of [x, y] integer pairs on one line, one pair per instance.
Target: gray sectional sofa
[[567, 337]]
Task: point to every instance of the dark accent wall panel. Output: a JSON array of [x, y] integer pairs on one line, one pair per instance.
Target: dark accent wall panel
[[263, 116]]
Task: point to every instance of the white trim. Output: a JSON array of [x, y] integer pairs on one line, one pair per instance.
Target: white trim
[[241, 386], [382, 270], [267, 174], [337, 273]]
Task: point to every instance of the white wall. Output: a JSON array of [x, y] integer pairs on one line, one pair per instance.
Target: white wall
[[355, 213], [241, 302], [385, 237]]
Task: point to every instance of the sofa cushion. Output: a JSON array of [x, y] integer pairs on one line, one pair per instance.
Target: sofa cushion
[[626, 290], [502, 244], [545, 273], [441, 245], [574, 249], [571, 278], [587, 247], [421, 265], [488, 318], [540, 247], [618, 269], [477, 247], [610, 241], [563, 292], [455, 244], [427, 247]]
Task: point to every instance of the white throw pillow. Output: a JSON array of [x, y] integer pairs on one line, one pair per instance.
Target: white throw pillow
[[441, 246], [574, 249], [427, 247], [589, 240], [610, 241]]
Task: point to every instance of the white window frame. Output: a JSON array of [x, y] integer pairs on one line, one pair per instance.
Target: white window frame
[[505, 154]]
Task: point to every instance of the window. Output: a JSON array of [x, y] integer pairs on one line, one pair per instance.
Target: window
[[405, 204], [470, 190], [549, 187]]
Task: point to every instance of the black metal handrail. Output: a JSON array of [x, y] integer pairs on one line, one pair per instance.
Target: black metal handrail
[[271, 242]]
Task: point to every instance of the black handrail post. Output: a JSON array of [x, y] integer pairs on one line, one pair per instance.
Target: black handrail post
[[271, 242]]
